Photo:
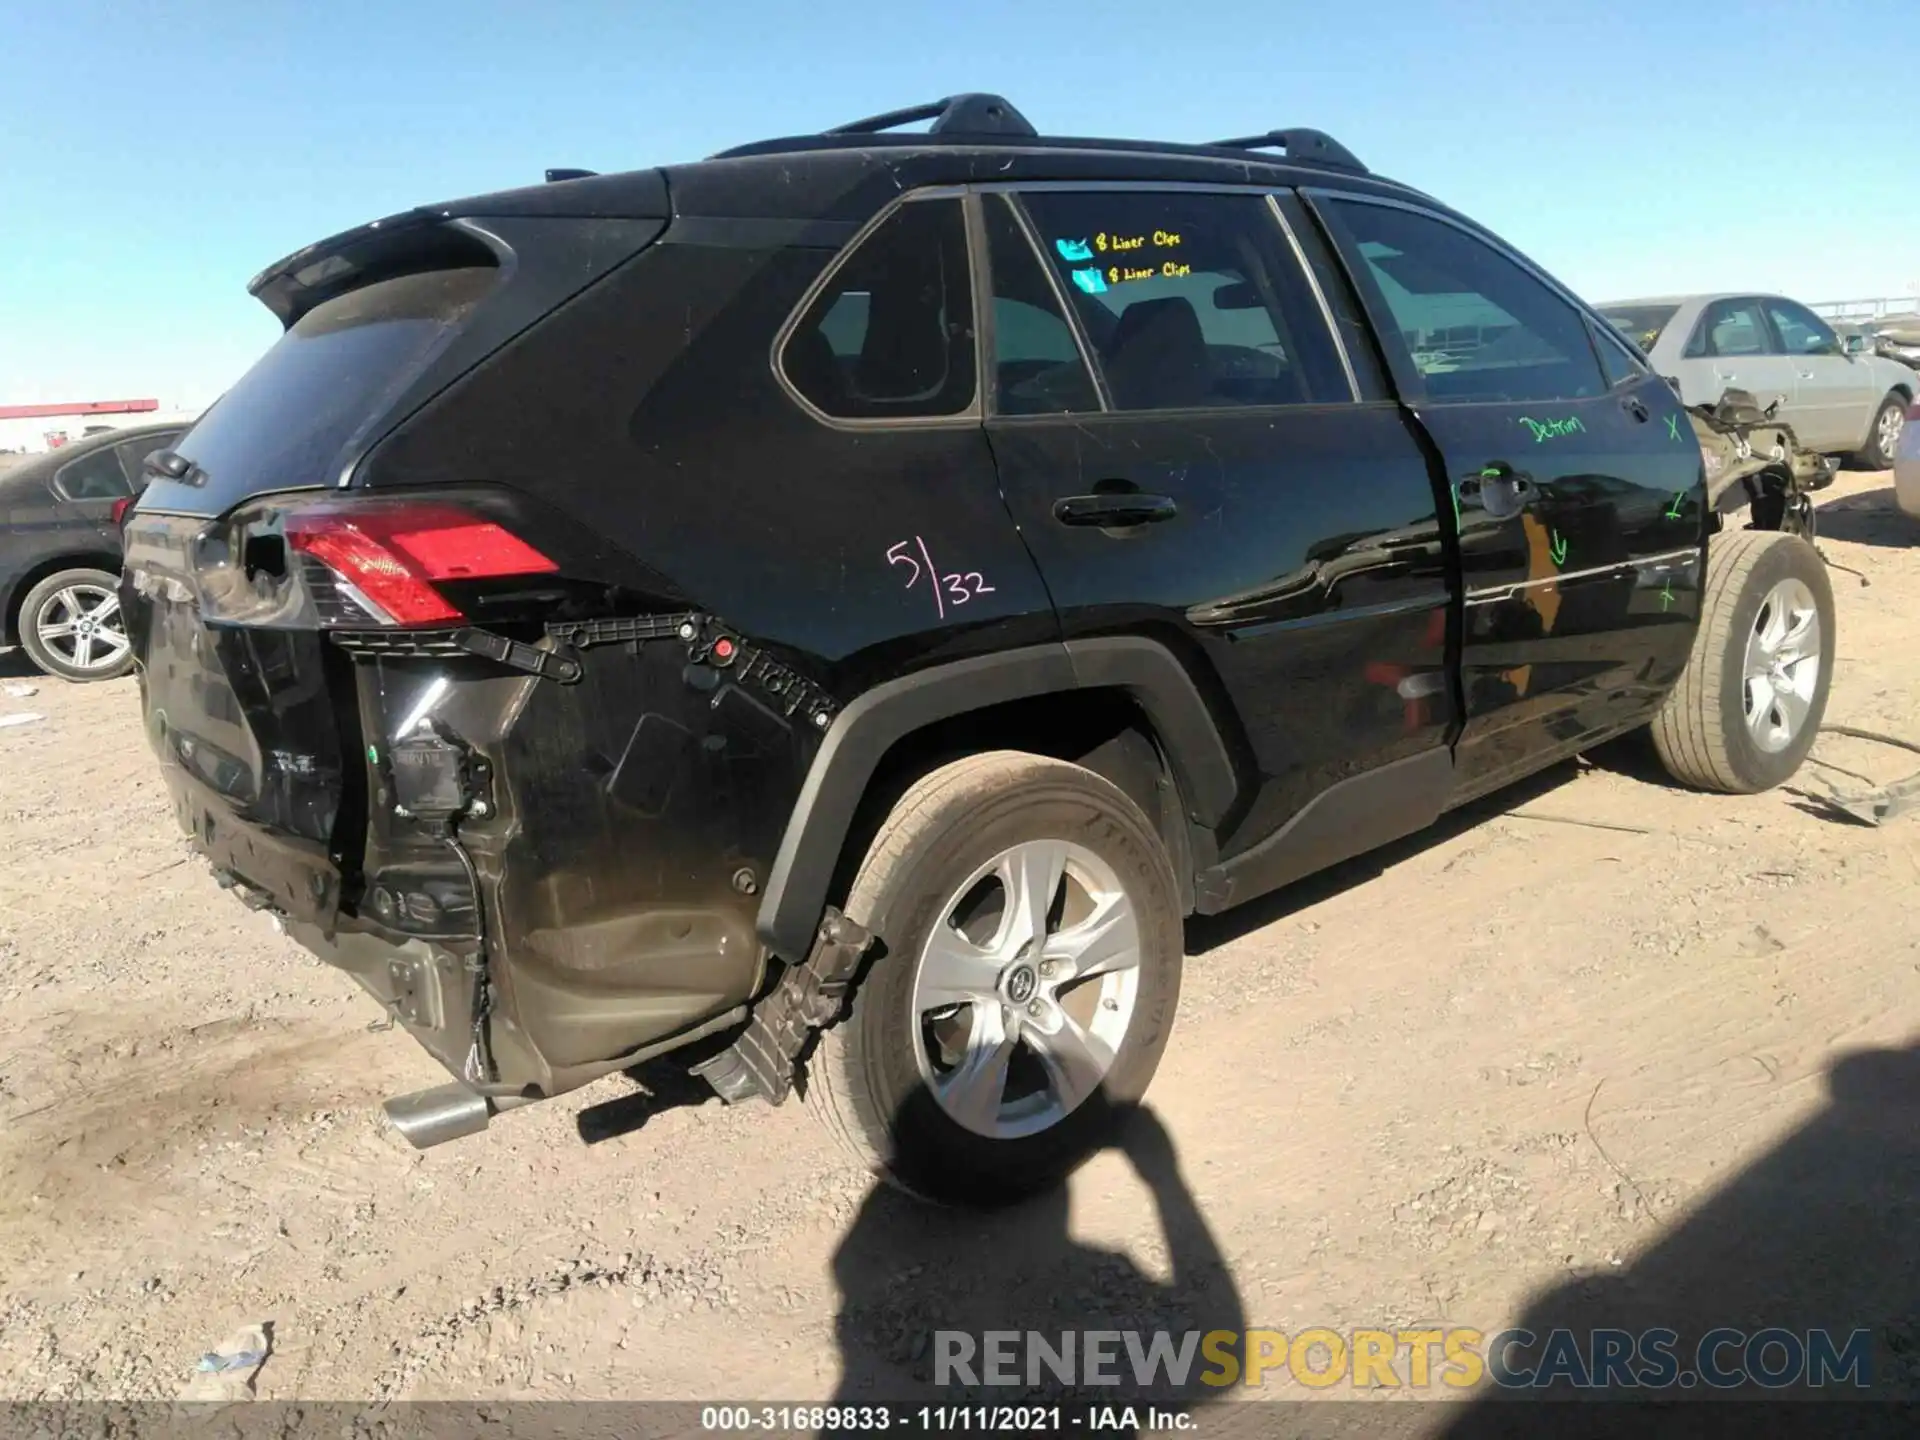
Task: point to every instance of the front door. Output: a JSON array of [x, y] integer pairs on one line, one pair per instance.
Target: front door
[[1579, 487], [1834, 396], [1193, 458]]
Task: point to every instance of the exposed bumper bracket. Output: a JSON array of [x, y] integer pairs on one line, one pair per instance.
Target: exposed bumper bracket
[[761, 1062]]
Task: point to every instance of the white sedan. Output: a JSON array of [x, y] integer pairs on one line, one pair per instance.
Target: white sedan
[[1840, 398]]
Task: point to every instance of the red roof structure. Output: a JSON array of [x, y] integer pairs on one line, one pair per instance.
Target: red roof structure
[[80, 407]]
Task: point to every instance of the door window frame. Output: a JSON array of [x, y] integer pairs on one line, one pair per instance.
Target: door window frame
[[1407, 380], [1702, 332], [165, 440], [977, 219], [1638, 366], [111, 452], [974, 411], [980, 279], [1277, 217], [1766, 304]]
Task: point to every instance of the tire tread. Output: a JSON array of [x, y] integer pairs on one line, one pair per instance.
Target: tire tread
[[848, 1110], [1687, 732]]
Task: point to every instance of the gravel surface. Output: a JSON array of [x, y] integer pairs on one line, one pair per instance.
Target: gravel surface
[[1600, 1052]]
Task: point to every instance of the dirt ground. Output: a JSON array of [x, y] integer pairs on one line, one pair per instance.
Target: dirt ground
[[1601, 1049]]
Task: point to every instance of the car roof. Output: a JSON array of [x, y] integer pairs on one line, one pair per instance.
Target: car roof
[[1704, 297], [829, 183]]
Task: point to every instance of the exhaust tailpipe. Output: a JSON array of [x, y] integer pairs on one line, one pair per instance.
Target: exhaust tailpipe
[[446, 1112]]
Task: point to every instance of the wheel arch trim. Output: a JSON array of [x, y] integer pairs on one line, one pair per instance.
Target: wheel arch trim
[[868, 728]]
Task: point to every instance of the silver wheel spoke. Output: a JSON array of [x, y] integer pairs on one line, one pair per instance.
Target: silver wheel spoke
[[973, 1092], [996, 1048], [70, 601], [56, 632], [1782, 666], [1075, 1059], [83, 651], [1106, 941], [1797, 626], [112, 643], [1759, 704], [1031, 875], [1793, 708], [954, 971], [106, 609]]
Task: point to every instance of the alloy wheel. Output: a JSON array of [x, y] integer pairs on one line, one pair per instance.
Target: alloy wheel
[[1025, 988], [1781, 667], [82, 627]]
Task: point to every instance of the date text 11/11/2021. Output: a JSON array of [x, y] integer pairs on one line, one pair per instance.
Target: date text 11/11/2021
[[949, 590], [942, 1419]]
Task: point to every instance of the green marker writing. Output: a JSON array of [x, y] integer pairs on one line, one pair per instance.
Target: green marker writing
[[1679, 500], [1557, 550], [1673, 427], [1666, 596], [1544, 430]]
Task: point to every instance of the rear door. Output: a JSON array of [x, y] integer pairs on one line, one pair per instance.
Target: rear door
[[1834, 396], [87, 486], [1579, 485], [1195, 457]]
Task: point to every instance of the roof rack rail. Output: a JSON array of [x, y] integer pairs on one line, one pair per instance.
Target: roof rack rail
[[955, 115], [1300, 144], [554, 177]]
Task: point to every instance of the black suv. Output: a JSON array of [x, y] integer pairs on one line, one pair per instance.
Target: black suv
[[832, 609]]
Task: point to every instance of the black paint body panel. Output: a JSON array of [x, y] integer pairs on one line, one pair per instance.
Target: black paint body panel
[[1324, 654]]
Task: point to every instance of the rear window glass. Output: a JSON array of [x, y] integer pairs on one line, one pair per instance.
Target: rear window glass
[[289, 420], [97, 476], [1642, 324]]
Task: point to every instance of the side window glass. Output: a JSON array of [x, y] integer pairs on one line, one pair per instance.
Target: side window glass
[[1734, 327], [1037, 367], [1619, 363], [95, 476], [1479, 326], [1801, 331], [134, 453], [891, 335], [1189, 300]]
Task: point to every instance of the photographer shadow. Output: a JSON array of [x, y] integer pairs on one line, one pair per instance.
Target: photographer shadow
[[1817, 1235], [907, 1271]]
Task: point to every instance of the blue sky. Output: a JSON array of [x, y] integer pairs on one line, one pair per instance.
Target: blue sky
[[153, 157]]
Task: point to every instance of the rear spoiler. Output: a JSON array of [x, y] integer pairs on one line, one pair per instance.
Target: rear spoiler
[[420, 238]]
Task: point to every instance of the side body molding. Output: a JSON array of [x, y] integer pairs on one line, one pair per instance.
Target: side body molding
[[796, 891]]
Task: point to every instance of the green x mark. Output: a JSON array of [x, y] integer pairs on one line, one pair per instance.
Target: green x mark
[[1679, 502], [1666, 596], [1557, 550], [1673, 427]]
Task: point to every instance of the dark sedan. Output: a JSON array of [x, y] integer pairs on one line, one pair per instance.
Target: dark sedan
[[60, 551]]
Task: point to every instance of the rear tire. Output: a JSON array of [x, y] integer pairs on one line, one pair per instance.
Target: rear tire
[[984, 1101], [1883, 437], [72, 628], [1749, 704]]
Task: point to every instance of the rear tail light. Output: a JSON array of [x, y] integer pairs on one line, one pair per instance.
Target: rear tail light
[[120, 508], [387, 557]]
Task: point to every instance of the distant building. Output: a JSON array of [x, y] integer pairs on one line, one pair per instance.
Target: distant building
[[34, 428]]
